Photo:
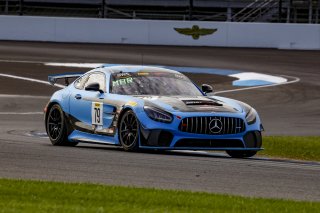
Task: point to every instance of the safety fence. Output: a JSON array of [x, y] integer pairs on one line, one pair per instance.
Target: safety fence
[[271, 11]]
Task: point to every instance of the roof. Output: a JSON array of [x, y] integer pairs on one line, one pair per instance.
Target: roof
[[135, 68]]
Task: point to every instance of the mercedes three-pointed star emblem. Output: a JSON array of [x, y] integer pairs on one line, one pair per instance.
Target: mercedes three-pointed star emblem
[[215, 125]]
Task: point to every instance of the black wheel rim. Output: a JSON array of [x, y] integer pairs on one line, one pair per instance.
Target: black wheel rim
[[54, 124], [129, 130]]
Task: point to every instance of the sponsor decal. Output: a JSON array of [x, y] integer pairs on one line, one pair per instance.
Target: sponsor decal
[[123, 75], [151, 97], [143, 73], [97, 113], [195, 31], [122, 81], [179, 76], [132, 103]]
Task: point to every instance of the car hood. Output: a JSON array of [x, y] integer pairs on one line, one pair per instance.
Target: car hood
[[192, 104]]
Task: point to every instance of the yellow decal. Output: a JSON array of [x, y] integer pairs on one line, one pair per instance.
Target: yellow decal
[[132, 103], [97, 104], [143, 73]]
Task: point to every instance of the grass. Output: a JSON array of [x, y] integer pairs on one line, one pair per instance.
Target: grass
[[36, 196], [293, 147]]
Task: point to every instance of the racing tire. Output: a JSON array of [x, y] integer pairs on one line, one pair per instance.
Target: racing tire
[[241, 154], [129, 131], [57, 128]]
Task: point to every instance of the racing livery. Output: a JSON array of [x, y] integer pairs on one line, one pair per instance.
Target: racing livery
[[142, 107]]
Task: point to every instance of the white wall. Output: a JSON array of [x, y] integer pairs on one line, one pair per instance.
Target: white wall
[[150, 32]]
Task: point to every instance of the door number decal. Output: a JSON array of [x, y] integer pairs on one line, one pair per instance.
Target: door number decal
[[97, 113]]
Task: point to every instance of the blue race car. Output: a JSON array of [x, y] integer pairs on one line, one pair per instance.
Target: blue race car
[[141, 107]]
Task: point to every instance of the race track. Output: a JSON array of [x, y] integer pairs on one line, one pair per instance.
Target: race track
[[291, 109]]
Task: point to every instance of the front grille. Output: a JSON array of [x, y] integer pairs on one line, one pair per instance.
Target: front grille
[[219, 126], [207, 143]]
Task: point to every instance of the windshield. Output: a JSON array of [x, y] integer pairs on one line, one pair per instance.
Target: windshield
[[152, 83]]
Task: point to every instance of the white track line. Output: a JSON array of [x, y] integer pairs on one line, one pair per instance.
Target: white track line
[[46, 63], [21, 113], [296, 79], [21, 61], [23, 96], [61, 86], [79, 65], [29, 79], [254, 76]]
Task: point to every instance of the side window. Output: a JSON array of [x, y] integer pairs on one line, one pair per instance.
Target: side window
[[97, 78], [80, 82]]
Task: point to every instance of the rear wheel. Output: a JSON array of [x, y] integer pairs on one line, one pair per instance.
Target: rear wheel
[[129, 131], [241, 154], [57, 128]]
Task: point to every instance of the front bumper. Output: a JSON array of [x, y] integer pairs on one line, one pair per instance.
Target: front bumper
[[163, 139], [157, 135]]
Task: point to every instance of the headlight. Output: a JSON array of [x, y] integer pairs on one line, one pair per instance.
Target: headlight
[[158, 114], [251, 116], [250, 113]]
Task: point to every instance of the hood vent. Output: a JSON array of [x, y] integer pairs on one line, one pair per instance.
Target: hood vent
[[200, 102]]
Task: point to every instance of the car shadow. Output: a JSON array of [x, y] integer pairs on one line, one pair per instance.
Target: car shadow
[[190, 153], [155, 151]]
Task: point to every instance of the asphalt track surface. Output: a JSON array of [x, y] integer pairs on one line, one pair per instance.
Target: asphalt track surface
[[291, 109]]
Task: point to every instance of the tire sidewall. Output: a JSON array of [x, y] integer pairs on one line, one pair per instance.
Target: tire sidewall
[[61, 138], [135, 145]]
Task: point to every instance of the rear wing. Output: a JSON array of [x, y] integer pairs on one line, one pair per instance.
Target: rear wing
[[53, 78]]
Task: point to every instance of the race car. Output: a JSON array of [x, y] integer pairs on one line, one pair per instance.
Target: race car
[[144, 107]]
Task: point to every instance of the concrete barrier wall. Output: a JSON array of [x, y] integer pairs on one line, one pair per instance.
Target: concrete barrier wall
[[154, 32]]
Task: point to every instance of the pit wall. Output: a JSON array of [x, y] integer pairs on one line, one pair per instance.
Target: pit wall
[[158, 32]]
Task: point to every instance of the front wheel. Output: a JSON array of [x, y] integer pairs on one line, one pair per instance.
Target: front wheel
[[129, 131], [241, 154]]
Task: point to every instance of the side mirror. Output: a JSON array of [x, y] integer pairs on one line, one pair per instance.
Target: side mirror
[[94, 87], [206, 88]]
